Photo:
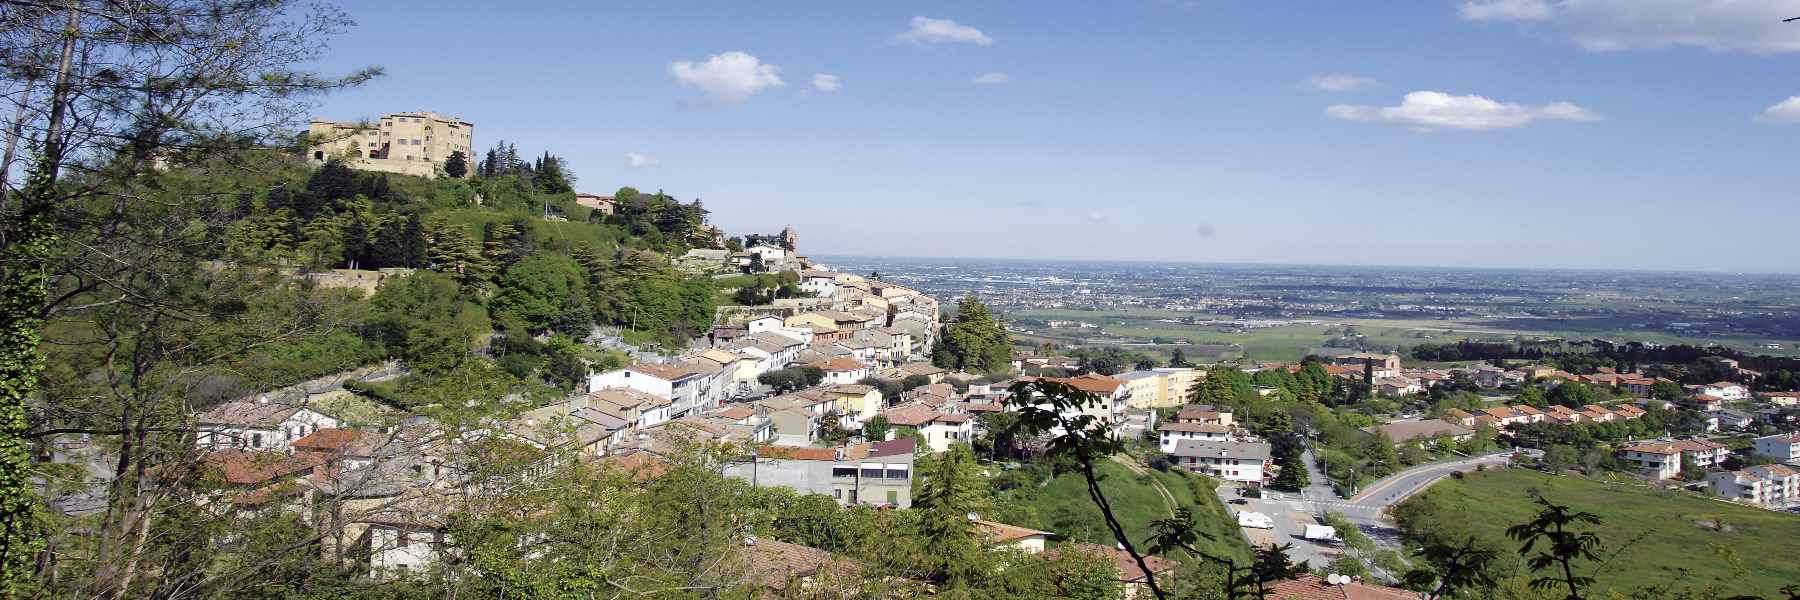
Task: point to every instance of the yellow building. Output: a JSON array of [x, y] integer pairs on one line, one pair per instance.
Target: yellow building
[[1158, 388], [409, 143]]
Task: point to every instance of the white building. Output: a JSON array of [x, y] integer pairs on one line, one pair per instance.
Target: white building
[[1170, 434], [1244, 462], [1783, 448], [252, 425], [1769, 486], [1725, 390]]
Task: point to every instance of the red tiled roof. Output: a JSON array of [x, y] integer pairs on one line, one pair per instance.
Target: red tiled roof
[[328, 439], [1194, 427], [774, 562], [1001, 533], [244, 467], [737, 413], [794, 453], [840, 364]]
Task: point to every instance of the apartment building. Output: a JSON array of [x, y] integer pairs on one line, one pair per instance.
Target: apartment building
[[1782, 448], [408, 143], [1244, 462], [1769, 486]]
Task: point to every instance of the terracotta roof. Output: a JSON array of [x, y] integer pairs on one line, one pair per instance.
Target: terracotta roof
[[1001, 533], [796, 453], [775, 562], [920, 368], [736, 413], [849, 388], [1311, 587], [660, 371], [244, 467], [628, 398], [840, 364], [980, 407], [640, 464], [893, 447], [328, 439], [911, 415], [1129, 571], [1099, 384]]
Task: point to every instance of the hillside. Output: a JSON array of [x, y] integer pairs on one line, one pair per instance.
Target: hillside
[[1660, 537], [1063, 507]]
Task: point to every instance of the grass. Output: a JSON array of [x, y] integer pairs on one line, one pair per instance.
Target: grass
[[1672, 530], [1063, 507]]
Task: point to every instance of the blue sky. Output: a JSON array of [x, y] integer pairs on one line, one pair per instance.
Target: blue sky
[[1515, 133]]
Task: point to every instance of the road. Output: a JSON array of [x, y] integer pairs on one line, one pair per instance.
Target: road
[[1292, 512]]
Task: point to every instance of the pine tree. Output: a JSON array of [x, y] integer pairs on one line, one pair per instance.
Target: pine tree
[[456, 165]]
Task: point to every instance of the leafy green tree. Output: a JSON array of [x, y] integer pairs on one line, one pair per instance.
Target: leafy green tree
[[540, 291], [950, 489], [425, 320], [876, 428], [327, 189], [973, 340], [1571, 394], [456, 165], [1453, 568]]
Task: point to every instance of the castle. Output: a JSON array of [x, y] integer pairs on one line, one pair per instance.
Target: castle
[[409, 143]]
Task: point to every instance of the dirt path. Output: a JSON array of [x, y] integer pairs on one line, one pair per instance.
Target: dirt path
[[1156, 484]]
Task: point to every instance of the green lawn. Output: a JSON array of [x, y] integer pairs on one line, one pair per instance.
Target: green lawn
[[1063, 507], [1672, 530]]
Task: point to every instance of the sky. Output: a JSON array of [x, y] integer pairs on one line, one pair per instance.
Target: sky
[[1630, 134]]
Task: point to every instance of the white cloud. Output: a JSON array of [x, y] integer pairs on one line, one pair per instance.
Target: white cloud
[[926, 30], [636, 160], [1438, 110], [1339, 82], [727, 78], [1505, 10], [826, 82], [1785, 112], [994, 78], [1616, 25]]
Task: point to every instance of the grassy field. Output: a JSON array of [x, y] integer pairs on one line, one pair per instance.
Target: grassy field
[[1291, 342], [1673, 531], [1063, 507]]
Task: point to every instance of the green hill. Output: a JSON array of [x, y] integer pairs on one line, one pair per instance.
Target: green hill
[[1659, 537]]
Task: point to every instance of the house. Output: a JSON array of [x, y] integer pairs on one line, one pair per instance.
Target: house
[[855, 402], [255, 425], [605, 205], [635, 407], [789, 570], [1131, 574], [1783, 448], [1768, 486], [1705, 402], [843, 370], [1734, 419], [1169, 434], [1382, 365], [1244, 462], [1460, 417], [1489, 377], [872, 474], [1637, 386], [1662, 459], [572, 426], [1781, 398], [1397, 386], [1112, 394], [1203, 413], [1001, 535], [262, 476], [1725, 390], [1426, 430], [925, 369], [940, 429]]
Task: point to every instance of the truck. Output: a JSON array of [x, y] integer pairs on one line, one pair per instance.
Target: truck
[[1255, 520], [1320, 533]]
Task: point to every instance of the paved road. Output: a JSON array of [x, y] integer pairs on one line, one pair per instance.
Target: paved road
[[1292, 512]]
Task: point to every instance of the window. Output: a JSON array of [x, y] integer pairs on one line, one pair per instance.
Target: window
[[893, 497], [843, 471], [900, 473], [256, 440], [853, 496], [869, 473], [837, 493]]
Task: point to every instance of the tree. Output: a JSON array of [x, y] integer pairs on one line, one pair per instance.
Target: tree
[[1454, 567], [1572, 394], [876, 428], [456, 165], [1555, 525], [114, 114], [1178, 358], [950, 489], [542, 292], [1048, 407], [973, 340]]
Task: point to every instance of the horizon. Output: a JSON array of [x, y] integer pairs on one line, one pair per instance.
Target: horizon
[[1318, 265], [1464, 133]]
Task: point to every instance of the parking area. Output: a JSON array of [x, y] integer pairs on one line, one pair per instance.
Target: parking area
[[1289, 517]]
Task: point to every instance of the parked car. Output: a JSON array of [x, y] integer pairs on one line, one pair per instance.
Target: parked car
[[1239, 501]]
